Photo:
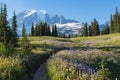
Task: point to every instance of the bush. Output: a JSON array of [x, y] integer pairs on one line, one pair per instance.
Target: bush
[[6, 50]]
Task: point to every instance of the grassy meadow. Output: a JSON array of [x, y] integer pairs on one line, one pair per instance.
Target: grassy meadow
[[82, 58]]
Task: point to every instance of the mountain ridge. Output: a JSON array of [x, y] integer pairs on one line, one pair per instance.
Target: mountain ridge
[[29, 16]]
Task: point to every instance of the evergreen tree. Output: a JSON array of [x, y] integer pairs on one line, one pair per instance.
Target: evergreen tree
[[116, 21], [96, 27], [45, 26], [48, 31], [111, 25], [32, 30], [1, 25], [23, 31], [4, 25], [90, 31], [55, 29], [103, 31], [85, 30], [25, 42], [107, 29], [35, 31], [14, 30], [119, 23]]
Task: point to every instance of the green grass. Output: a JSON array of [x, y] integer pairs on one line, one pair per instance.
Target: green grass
[[16, 66], [99, 41]]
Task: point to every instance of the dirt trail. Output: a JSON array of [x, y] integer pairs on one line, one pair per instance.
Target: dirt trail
[[41, 73]]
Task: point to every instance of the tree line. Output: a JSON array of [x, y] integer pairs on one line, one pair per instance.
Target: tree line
[[8, 34], [94, 30], [9, 40], [43, 29]]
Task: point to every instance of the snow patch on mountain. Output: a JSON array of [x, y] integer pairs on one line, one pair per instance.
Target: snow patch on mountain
[[70, 28], [29, 12], [43, 11]]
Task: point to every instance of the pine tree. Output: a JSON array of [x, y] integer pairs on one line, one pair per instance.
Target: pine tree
[[32, 30], [1, 25], [111, 25], [4, 25], [23, 31], [43, 29], [14, 30], [96, 27], [85, 30], [55, 29], [116, 21], [119, 23], [48, 31], [35, 31], [90, 31], [107, 30], [25, 42]]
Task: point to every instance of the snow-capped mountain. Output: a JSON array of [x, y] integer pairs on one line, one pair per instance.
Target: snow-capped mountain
[[64, 25], [70, 28]]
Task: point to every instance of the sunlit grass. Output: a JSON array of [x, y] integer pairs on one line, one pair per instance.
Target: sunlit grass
[[99, 41], [42, 47]]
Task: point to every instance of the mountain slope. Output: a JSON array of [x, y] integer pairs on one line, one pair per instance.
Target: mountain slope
[[29, 16]]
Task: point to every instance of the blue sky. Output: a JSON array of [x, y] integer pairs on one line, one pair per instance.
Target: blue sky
[[81, 10]]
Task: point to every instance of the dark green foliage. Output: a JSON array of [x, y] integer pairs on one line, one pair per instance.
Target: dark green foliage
[[25, 42], [7, 37], [111, 25], [35, 31], [6, 50], [24, 31], [85, 30], [42, 29], [115, 22], [32, 30], [3, 24], [94, 28], [6, 34], [105, 30], [118, 23], [48, 33], [54, 31], [14, 30], [90, 31]]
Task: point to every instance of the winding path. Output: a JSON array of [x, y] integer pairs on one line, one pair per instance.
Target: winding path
[[41, 73]]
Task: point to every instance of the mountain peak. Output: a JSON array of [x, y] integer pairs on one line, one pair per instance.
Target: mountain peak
[[29, 12], [43, 11], [30, 15]]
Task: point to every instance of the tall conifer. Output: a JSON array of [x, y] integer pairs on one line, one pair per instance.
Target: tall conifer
[[14, 30]]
